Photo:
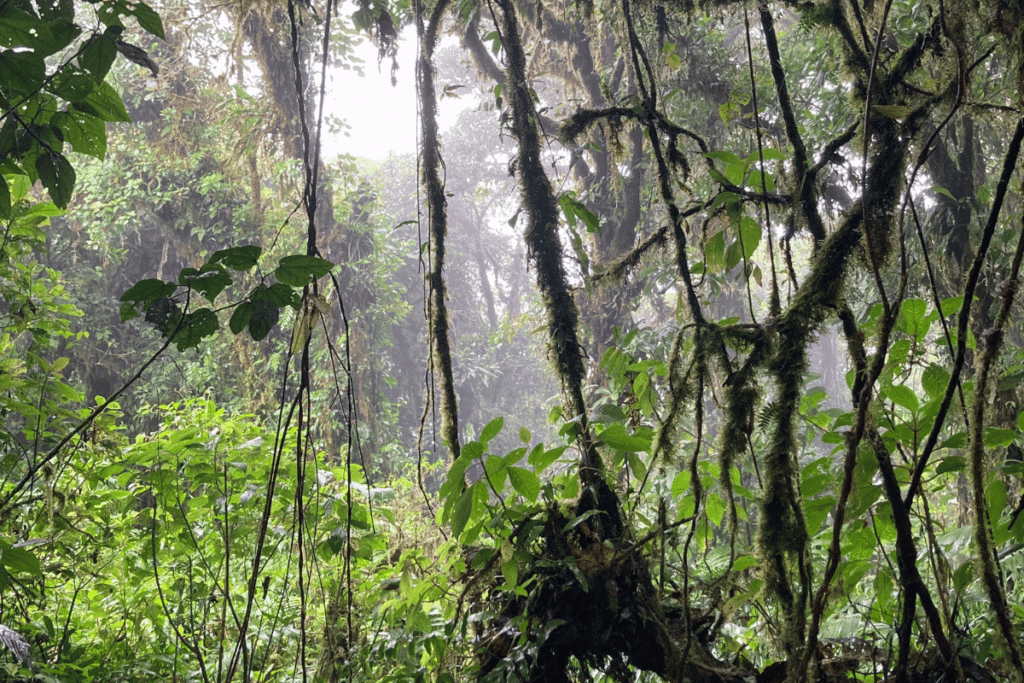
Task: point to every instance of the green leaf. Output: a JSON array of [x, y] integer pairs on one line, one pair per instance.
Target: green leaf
[[196, 326], [525, 482], [148, 290], [714, 252], [265, 315], [492, 428], [5, 199], [64, 30], [996, 438], [722, 155], [951, 305], [105, 104], [735, 172], [209, 283], [958, 440], [496, 470], [995, 494], [19, 561], [148, 19], [295, 270], [934, 380], [462, 509], [97, 56], [364, 18], [22, 73], [733, 255], [541, 459], [607, 412], [72, 83], [717, 176], [636, 466], [85, 133], [238, 258], [815, 512], [750, 231], [903, 396], [524, 435], [953, 463], [914, 309], [681, 483], [281, 295], [23, 30], [615, 435], [514, 456], [510, 570], [714, 507], [240, 318], [57, 176], [963, 576]]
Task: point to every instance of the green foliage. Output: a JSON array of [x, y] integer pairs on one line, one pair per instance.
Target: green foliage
[[45, 108], [168, 309]]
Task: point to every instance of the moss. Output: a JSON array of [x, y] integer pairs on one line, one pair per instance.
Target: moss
[[438, 229], [544, 247]]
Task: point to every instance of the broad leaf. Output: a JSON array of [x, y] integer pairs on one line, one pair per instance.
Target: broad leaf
[[525, 482], [238, 258], [617, 437], [265, 315], [492, 429], [57, 176], [296, 270], [97, 56]]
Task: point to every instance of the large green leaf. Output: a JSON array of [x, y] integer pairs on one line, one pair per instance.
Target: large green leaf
[[241, 317], [462, 509], [903, 396], [195, 327], [22, 73], [72, 83], [541, 459], [210, 281], [19, 560], [265, 315], [525, 482], [148, 290], [85, 133], [148, 19], [57, 176], [281, 295], [20, 29], [296, 270], [238, 258], [104, 103], [97, 56], [492, 429], [617, 437]]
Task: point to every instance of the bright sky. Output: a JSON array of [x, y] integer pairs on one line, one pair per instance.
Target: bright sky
[[382, 118]]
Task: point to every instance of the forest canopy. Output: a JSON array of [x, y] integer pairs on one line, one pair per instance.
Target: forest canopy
[[691, 352]]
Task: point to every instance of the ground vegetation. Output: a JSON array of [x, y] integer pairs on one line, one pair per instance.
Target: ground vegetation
[[692, 353]]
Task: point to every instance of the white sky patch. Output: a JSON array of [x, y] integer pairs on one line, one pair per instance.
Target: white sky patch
[[381, 119]]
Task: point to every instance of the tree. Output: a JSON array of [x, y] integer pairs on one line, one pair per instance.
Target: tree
[[704, 204]]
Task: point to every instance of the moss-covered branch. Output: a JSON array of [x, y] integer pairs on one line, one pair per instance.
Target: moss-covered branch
[[438, 226], [542, 240], [979, 467]]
